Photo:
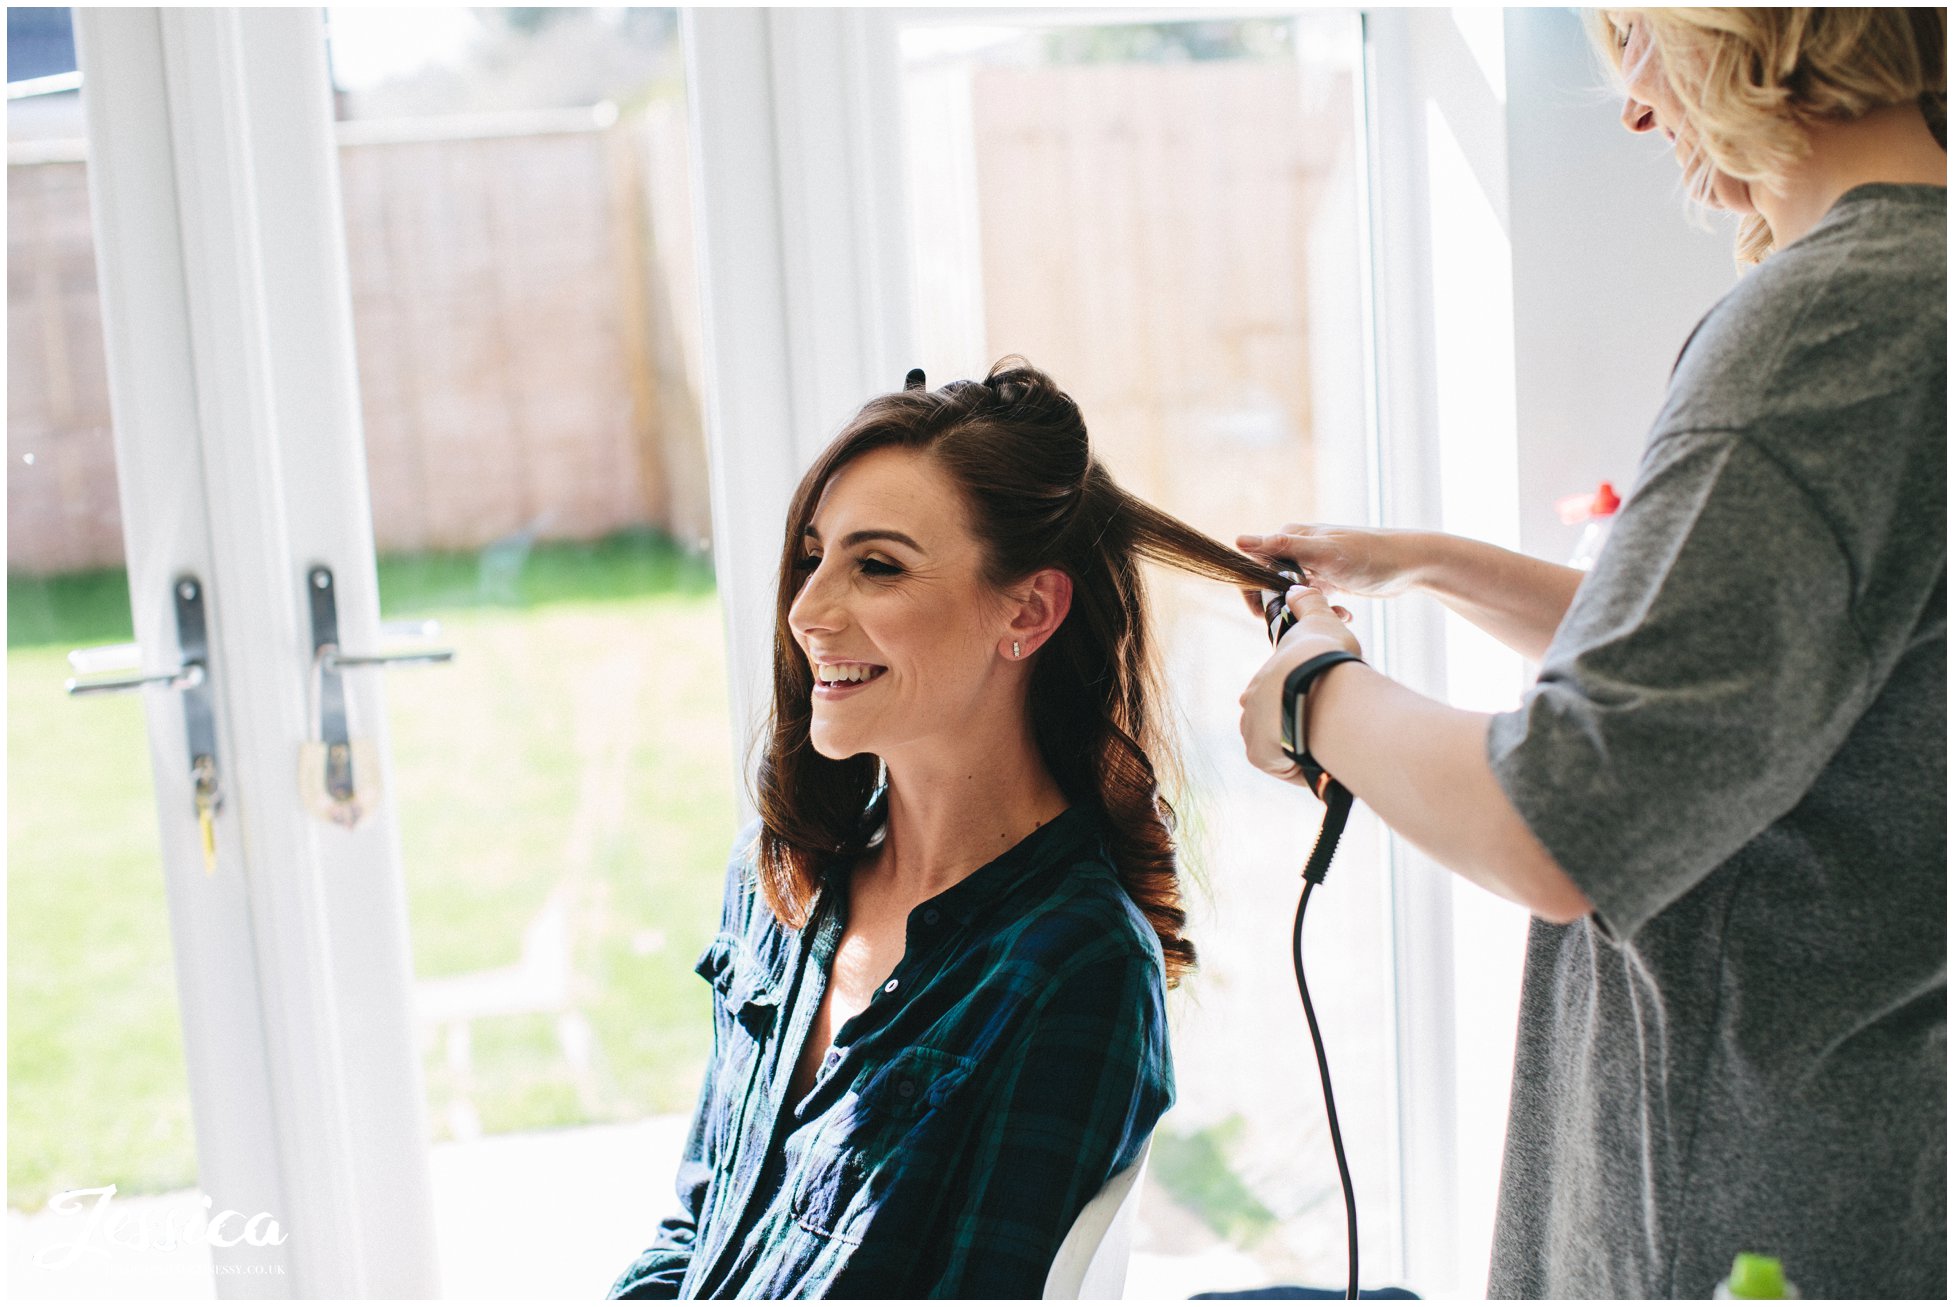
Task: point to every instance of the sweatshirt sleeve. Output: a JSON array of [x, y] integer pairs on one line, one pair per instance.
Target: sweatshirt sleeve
[[1707, 670]]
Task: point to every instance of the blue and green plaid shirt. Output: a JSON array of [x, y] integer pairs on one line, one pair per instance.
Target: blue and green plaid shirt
[[1011, 1064]]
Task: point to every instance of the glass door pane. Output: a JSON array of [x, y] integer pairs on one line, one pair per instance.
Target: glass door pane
[[97, 1091], [518, 239], [1165, 218]]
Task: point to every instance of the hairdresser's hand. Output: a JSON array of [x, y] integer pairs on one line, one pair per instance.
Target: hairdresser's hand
[[1371, 564], [1319, 628]]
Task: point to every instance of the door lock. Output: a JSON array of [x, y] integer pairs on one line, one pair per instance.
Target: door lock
[[331, 763], [199, 723]]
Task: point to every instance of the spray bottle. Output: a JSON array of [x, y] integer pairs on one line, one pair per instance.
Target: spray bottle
[[1598, 511], [1756, 1276]]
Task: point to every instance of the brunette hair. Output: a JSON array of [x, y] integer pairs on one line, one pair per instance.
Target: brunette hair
[[1752, 80], [1016, 446]]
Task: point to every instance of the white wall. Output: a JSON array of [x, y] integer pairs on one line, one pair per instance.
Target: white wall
[[1608, 274]]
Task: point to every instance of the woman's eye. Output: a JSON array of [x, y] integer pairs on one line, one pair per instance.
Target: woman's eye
[[870, 566]]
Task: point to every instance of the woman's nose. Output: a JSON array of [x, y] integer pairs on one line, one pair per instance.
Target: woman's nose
[[1636, 116], [812, 609]]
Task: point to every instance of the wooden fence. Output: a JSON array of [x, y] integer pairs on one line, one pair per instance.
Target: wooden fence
[[526, 330], [527, 319], [61, 503], [1146, 233]]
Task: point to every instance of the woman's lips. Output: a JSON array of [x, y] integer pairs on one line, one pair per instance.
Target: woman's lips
[[840, 689], [843, 689]]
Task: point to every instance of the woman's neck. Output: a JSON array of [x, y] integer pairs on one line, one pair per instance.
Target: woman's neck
[[949, 816], [1887, 145]]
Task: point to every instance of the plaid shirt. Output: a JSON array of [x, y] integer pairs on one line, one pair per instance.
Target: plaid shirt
[[1011, 1064]]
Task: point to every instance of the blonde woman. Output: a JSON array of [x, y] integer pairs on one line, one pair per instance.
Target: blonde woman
[[1725, 798]]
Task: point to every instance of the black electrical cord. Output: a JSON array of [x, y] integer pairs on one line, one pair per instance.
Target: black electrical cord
[[1336, 811], [1329, 1098]]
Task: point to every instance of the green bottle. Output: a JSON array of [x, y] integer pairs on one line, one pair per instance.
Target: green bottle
[[1755, 1276]]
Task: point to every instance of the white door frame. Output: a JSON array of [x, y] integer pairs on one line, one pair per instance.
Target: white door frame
[[1407, 493], [803, 275], [226, 310]]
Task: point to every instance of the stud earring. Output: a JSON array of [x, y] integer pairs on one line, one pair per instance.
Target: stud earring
[[1015, 651]]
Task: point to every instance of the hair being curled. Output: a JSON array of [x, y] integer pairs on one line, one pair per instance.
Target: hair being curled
[[1016, 447], [1754, 80]]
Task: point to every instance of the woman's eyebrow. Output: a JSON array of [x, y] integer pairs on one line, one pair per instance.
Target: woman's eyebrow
[[874, 533]]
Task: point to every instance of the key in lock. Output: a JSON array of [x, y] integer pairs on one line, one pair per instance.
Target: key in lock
[[205, 794], [339, 781], [339, 776]]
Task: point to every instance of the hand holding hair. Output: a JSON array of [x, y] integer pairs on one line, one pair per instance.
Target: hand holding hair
[[1371, 563]]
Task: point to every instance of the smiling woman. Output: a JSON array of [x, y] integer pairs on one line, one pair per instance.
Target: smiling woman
[[942, 963], [971, 522]]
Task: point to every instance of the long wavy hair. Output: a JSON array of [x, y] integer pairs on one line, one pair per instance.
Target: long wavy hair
[[1016, 447], [1753, 80]]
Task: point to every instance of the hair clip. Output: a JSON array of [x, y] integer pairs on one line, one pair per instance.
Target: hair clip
[[914, 381]]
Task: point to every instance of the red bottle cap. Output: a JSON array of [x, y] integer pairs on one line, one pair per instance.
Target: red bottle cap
[[1576, 509]]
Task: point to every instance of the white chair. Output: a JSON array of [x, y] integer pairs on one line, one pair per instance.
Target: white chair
[[1091, 1263]]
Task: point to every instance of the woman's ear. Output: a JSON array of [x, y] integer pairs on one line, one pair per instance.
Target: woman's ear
[[1042, 604]]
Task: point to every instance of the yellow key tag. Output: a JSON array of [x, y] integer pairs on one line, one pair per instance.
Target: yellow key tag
[[206, 795], [207, 825]]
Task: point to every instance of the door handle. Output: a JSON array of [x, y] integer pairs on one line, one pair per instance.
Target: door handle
[[199, 723], [329, 756], [187, 677]]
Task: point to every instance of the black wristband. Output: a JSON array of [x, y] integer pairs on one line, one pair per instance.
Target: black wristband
[[1295, 689]]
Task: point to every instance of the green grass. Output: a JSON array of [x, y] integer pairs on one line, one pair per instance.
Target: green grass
[[73, 609], [78, 608], [95, 1083], [1194, 1168], [578, 743]]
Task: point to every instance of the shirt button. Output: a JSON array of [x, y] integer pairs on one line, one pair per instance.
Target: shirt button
[[834, 1056], [907, 1088], [931, 916], [889, 988]]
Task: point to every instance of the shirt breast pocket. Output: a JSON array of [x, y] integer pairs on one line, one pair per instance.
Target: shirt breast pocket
[[745, 1006], [903, 1121]]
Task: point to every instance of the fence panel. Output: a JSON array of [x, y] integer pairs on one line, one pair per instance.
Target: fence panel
[[1145, 233], [526, 311], [522, 369]]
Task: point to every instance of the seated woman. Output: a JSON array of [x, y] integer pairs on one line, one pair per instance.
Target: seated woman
[[939, 1008]]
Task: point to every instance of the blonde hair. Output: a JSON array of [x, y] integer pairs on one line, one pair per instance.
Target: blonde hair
[[1754, 80]]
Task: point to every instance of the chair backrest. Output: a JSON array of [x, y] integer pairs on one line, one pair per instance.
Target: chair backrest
[[1091, 1263]]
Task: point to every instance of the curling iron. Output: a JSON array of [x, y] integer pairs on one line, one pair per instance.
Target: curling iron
[[1336, 800]]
